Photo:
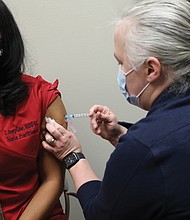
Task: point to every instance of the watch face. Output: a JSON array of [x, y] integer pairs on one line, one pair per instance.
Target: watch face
[[70, 160]]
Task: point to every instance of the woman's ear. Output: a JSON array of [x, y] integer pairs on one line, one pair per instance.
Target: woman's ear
[[153, 69]]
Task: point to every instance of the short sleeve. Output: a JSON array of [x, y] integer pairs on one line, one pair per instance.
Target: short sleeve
[[49, 92], [42, 92]]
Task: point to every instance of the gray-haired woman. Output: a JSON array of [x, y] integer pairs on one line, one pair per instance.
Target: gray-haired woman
[[148, 174]]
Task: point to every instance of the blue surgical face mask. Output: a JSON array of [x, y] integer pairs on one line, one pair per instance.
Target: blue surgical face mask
[[121, 79]]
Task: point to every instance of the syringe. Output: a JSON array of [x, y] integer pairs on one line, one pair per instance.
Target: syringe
[[81, 115]]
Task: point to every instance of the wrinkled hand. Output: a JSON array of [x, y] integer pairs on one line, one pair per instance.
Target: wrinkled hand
[[60, 141], [103, 122]]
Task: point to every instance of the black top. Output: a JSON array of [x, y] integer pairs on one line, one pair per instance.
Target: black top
[[148, 174]]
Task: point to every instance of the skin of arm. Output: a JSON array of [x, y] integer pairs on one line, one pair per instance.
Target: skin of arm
[[51, 173], [82, 173]]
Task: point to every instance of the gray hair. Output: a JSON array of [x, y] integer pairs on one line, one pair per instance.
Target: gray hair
[[160, 28]]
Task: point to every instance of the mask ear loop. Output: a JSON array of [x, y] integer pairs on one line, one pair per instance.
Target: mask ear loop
[[143, 90], [131, 70]]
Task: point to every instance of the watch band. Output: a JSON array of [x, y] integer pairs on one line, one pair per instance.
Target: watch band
[[71, 159]]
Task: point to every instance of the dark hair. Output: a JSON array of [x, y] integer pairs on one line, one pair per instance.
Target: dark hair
[[12, 89]]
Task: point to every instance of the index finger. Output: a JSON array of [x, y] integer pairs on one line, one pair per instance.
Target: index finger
[[95, 109], [54, 123], [56, 130]]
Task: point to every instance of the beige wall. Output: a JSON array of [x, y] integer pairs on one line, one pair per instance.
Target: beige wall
[[73, 41]]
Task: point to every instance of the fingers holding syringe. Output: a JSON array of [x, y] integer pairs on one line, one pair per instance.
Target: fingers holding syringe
[[98, 108], [99, 116]]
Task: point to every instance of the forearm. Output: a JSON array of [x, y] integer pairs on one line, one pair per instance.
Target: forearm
[[82, 173], [43, 201]]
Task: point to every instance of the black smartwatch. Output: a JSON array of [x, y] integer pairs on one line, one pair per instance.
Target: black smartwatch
[[71, 159]]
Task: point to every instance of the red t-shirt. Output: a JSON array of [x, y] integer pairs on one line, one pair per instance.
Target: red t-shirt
[[19, 148]]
